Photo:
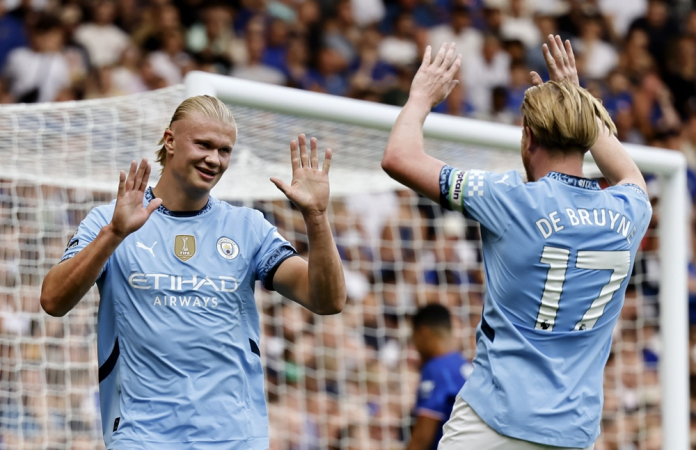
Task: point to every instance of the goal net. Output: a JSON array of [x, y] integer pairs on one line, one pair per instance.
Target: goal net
[[338, 382]]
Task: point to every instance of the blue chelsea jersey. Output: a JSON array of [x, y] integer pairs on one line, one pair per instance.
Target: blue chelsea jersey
[[179, 359], [557, 254], [441, 380]]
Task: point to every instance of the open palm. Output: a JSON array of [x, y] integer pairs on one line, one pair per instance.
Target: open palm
[[129, 213], [560, 61], [309, 189]]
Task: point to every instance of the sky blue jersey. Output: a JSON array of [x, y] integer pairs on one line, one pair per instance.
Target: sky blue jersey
[[441, 380], [557, 256], [179, 359]]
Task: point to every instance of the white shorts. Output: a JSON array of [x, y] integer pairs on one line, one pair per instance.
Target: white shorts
[[465, 430]]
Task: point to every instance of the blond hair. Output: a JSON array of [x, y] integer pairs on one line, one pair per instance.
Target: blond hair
[[564, 117], [204, 105]]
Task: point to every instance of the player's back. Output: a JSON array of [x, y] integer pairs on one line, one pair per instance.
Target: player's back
[[557, 255]]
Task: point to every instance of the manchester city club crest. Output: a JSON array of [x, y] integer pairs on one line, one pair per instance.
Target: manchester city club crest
[[184, 246], [227, 248]]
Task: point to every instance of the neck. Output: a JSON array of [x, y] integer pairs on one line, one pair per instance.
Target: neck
[[557, 162], [439, 348], [174, 198]]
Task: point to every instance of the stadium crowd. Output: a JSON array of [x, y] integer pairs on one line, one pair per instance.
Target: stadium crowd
[[349, 381]]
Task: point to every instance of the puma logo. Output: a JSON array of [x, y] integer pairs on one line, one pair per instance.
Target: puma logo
[[503, 180], [149, 249]]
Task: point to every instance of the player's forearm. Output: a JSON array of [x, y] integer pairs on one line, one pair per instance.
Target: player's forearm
[[66, 283], [405, 144], [327, 288], [423, 433], [614, 161]]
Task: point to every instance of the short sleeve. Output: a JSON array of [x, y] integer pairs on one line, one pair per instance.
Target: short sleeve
[[636, 201], [273, 251], [88, 229], [482, 196], [433, 396]]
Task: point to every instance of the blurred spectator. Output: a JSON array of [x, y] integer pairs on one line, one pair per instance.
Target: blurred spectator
[[681, 73], [519, 83], [128, 14], [367, 12], [598, 57], [457, 103], [519, 24], [570, 23], [101, 84], [12, 34], [341, 33], [498, 110], [155, 22], [636, 61], [493, 16], [214, 37], [660, 27], [276, 45], [622, 13], [481, 72], [40, 72], [689, 142], [75, 54], [327, 75], [126, 76], [171, 62], [653, 108], [296, 60], [254, 68], [422, 13], [371, 73], [103, 40], [459, 30], [400, 49]]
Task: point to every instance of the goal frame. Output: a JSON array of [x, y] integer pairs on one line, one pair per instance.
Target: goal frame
[[669, 166]]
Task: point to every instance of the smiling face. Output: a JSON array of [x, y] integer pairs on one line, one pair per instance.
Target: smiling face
[[198, 150]]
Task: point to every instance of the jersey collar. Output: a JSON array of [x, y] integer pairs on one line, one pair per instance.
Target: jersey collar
[[572, 180], [149, 196]]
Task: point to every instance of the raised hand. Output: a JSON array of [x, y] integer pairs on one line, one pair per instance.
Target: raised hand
[[560, 61], [309, 189], [129, 214], [435, 80]]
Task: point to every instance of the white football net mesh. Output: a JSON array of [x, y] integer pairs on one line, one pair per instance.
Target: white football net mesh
[[339, 382]]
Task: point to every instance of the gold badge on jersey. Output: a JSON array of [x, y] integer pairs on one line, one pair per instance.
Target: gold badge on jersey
[[184, 246]]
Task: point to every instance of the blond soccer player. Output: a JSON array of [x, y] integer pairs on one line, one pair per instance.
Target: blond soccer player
[[179, 359], [557, 252]]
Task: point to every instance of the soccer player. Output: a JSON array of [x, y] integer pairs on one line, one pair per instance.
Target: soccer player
[[557, 253], [179, 360], [443, 372]]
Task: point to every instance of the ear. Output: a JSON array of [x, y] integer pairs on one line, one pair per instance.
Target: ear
[[529, 142], [168, 139]]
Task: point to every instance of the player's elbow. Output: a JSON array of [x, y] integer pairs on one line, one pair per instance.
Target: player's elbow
[[51, 305], [390, 164], [50, 299], [335, 306]]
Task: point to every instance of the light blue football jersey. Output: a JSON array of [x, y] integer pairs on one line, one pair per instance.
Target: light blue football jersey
[[557, 255], [179, 359]]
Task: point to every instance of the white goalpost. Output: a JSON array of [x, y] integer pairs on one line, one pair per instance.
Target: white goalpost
[[669, 165], [338, 382]]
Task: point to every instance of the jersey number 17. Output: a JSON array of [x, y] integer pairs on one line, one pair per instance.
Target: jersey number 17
[[618, 262]]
